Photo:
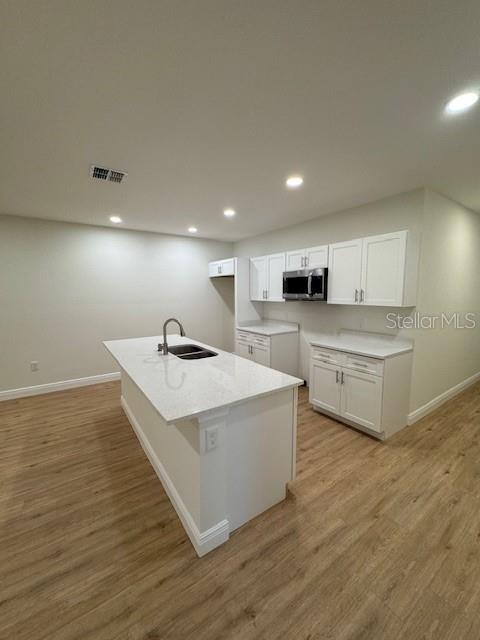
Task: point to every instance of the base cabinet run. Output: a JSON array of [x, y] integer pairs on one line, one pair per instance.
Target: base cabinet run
[[368, 393], [278, 351]]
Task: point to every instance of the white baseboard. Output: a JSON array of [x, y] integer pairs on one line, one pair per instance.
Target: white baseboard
[[23, 392], [416, 415], [204, 541]]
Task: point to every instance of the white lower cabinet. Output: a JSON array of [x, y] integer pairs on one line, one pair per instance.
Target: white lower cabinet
[[324, 387], [277, 351], [369, 393], [361, 398]]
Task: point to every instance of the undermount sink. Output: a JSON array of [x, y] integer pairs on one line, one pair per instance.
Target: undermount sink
[[190, 352]]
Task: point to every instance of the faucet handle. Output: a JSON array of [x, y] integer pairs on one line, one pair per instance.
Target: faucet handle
[[160, 346]]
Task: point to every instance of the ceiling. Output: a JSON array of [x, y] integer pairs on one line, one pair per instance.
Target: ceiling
[[212, 104]]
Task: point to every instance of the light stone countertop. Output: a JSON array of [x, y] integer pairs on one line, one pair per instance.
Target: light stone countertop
[[375, 345], [269, 327], [180, 389]]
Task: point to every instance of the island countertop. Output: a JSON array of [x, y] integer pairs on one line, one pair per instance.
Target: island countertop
[[180, 389]]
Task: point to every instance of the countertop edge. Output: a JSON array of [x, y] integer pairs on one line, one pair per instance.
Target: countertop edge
[[266, 332], [362, 352], [205, 412]]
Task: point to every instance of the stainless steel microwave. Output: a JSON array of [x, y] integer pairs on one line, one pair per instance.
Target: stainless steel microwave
[[305, 284]]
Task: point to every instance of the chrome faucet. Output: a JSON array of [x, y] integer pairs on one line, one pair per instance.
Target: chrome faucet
[[164, 347]]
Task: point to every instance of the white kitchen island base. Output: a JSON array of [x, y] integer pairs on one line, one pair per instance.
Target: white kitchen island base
[[222, 467]]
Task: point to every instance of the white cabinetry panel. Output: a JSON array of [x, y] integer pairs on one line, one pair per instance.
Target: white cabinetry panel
[[324, 386], [361, 398], [383, 269], [344, 272], [258, 278]]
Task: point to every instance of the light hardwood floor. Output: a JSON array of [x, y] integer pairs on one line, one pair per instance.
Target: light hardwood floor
[[376, 541]]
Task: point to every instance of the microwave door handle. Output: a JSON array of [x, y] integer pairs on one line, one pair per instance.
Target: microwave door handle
[[309, 284]]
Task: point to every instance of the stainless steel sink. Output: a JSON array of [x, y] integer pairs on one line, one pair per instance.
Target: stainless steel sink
[[190, 351]]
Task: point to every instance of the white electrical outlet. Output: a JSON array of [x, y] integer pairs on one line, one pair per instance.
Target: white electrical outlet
[[34, 365], [211, 438]]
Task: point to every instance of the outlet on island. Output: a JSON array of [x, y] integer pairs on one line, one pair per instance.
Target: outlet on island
[[34, 366], [211, 438]]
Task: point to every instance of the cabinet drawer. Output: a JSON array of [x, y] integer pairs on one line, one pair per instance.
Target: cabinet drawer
[[261, 340], [364, 363], [253, 338], [328, 355]]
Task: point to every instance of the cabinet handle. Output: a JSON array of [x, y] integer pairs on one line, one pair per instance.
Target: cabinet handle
[[306, 261], [302, 259], [362, 295], [360, 364], [342, 378], [336, 376], [356, 295]]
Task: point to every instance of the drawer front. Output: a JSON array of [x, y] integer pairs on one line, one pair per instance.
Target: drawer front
[[242, 336], [364, 363], [328, 356], [253, 338], [264, 341]]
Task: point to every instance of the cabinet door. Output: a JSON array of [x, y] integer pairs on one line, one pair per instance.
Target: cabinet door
[[325, 386], [228, 267], [317, 257], [295, 260], [243, 349], [344, 272], [275, 269], [213, 269], [383, 269], [361, 399], [261, 355], [258, 278]]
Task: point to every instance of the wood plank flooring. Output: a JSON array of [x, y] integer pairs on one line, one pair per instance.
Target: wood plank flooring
[[375, 541]]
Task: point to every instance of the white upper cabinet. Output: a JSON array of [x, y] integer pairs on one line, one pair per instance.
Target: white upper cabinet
[[312, 258], [258, 278], [344, 272], [383, 269], [295, 260], [369, 271], [317, 257], [221, 268], [266, 278], [275, 269]]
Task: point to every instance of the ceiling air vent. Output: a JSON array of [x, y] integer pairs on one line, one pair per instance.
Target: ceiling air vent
[[107, 175]]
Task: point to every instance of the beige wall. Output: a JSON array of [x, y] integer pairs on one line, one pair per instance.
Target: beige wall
[[65, 287], [444, 234], [449, 283]]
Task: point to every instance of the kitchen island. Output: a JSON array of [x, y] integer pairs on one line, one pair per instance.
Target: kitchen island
[[220, 432]]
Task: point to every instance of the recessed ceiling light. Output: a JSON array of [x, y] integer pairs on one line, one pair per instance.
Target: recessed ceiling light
[[293, 182], [462, 102], [192, 229], [229, 213], [115, 219]]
